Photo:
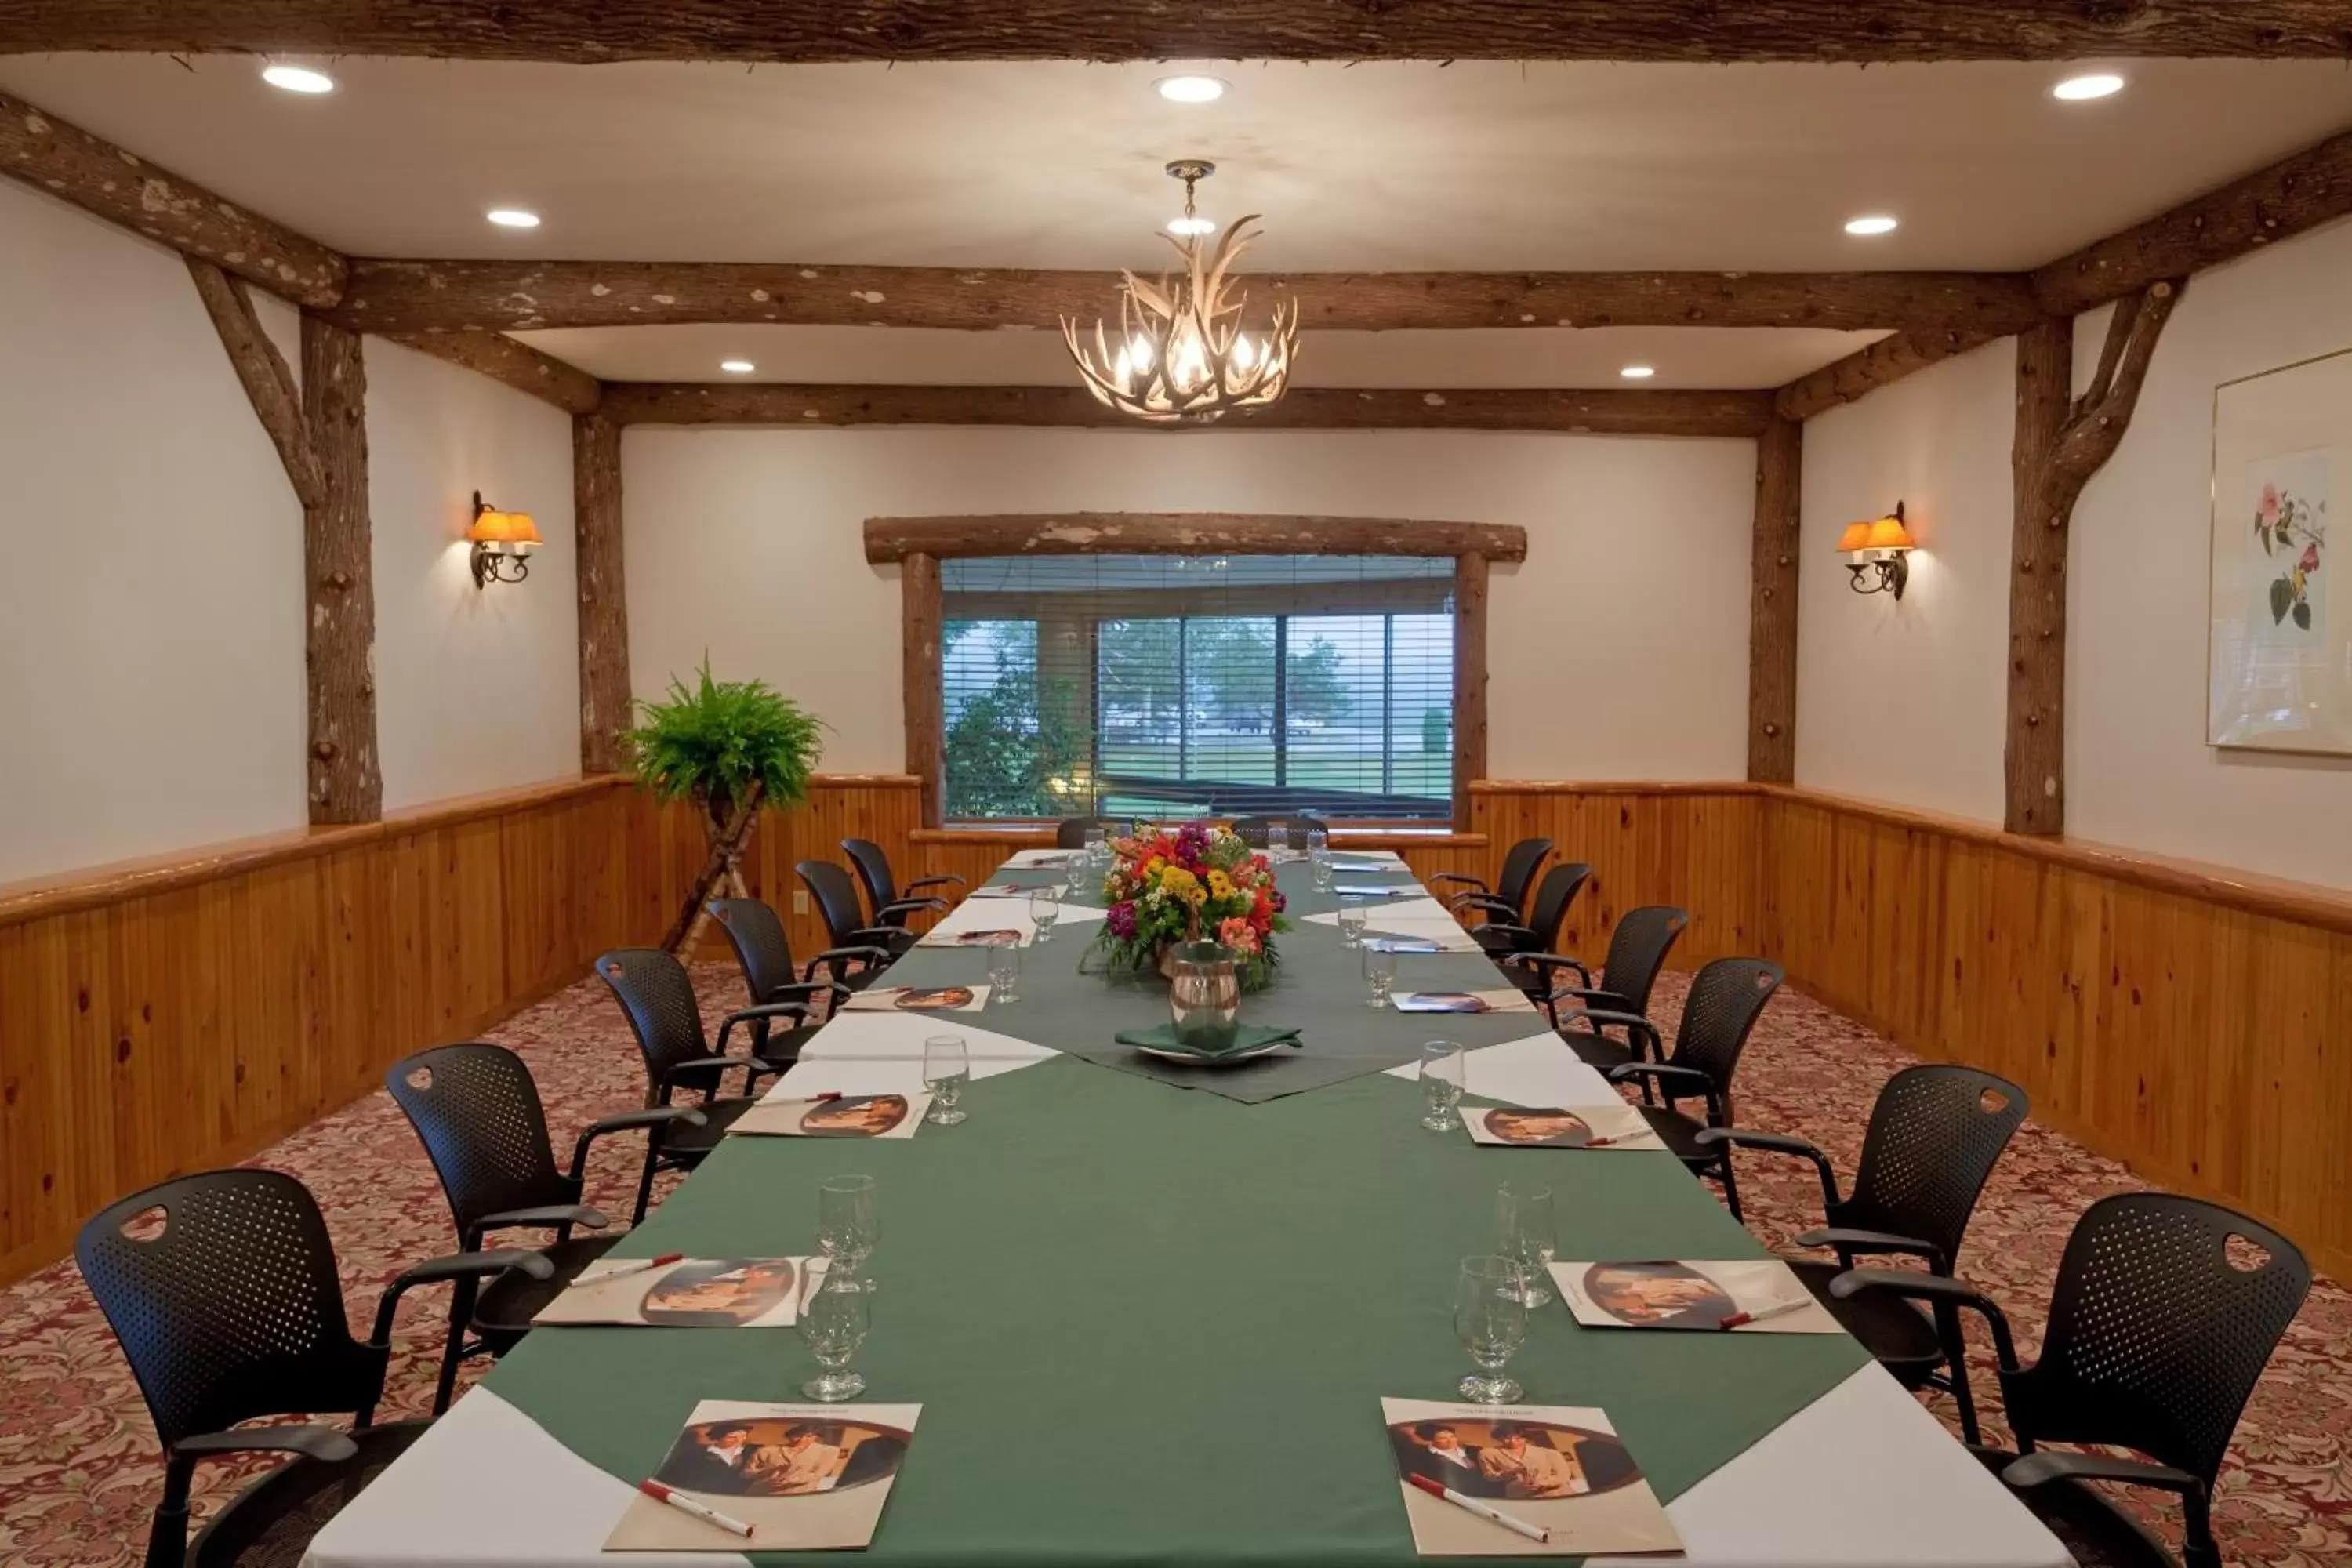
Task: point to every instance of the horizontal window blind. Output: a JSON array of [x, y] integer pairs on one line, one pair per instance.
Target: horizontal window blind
[[1170, 686]]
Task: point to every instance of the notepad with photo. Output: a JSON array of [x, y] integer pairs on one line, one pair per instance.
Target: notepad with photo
[[772, 1478], [1002, 891], [681, 1293], [1747, 1296], [1510, 1001], [1403, 944], [782, 1115], [1006, 937], [918, 999], [1528, 1481], [1607, 1127], [1378, 890]]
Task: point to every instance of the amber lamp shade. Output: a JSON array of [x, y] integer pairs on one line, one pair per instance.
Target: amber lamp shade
[[501, 540], [1880, 551], [1886, 533], [508, 528], [1855, 537]]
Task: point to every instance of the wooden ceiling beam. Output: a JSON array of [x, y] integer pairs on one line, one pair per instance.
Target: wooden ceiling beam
[[68, 163], [1866, 370], [828, 30], [404, 297], [518, 366], [937, 539], [1607, 412]]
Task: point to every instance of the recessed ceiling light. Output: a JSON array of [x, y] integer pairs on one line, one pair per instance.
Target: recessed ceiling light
[[1638, 372], [1186, 227], [737, 366], [1871, 225], [513, 217], [2078, 88], [297, 79], [1190, 88]]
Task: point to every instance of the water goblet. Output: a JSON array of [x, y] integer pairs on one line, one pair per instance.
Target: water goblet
[[833, 1317], [1098, 846], [947, 1068], [1380, 974], [848, 1227], [1443, 1065], [1045, 908], [1318, 841], [1003, 974], [1353, 918], [1525, 1233], [1277, 840], [1491, 1321]]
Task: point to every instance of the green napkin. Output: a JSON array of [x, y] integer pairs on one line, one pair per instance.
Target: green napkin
[[1246, 1037]]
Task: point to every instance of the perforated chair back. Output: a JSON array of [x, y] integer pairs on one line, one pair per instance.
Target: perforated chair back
[[658, 998], [1935, 1135], [836, 899], [1638, 949], [2157, 1336], [873, 867], [232, 1310], [1553, 895], [1521, 864], [1255, 830], [763, 952], [477, 1110], [1070, 833], [1725, 999]]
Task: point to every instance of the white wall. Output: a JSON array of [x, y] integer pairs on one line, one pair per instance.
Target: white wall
[[1619, 650], [2138, 771], [476, 690], [1904, 702], [151, 606]]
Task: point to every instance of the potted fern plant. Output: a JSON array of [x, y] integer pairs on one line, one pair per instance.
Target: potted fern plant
[[731, 747]]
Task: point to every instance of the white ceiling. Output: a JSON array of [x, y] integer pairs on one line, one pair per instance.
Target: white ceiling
[[1478, 165], [1486, 357]]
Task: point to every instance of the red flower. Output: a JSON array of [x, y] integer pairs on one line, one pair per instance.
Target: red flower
[[2310, 562], [2269, 509]]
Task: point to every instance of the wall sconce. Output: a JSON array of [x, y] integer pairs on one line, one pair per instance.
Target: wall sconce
[[501, 540], [1885, 544]]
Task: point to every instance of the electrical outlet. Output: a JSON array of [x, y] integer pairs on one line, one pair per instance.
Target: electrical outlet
[[799, 900]]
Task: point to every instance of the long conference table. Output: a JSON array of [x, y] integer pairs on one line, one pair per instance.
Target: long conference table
[[1150, 1310]]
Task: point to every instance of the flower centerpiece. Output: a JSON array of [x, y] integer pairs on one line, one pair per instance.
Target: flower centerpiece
[[1196, 883]]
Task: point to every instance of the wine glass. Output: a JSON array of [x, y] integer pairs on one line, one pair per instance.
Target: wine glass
[[1491, 1321], [1353, 918], [1380, 974], [833, 1319], [1003, 974], [947, 1068], [1443, 1069], [1098, 845], [1318, 842], [1277, 840], [1525, 1233], [848, 1227], [1045, 908]]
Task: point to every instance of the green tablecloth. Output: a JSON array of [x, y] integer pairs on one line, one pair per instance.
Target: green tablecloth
[[1148, 1326]]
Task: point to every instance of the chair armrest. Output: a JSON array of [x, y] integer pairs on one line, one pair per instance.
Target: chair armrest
[[2044, 1465], [1509, 940], [1674, 1082], [1779, 1143], [656, 1117], [1549, 962], [547, 1217], [1638, 1029], [1486, 901], [321, 1442], [456, 1266], [893, 939], [902, 908], [1477, 882], [754, 1069], [1940, 1291], [921, 882], [764, 1010], [833, 961], [1849, 1242]]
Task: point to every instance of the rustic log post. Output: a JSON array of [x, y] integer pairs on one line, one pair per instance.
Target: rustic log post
[[267, 380], [730, 835], [2061, 442], [1470, 572], [346, 776], [925, 700], [1773, 609], [605, 702]]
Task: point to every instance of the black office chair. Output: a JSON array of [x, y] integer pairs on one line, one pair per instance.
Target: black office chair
[[222, 1292], [882, 896], [764, 954], [477, 1110], [1934, 1137], [1637, 952], [1254, 831], [1725, 999], [1505, 939], [2157, 1337], [1070, 833], [1521, 864], [845, 918], [657, 994]]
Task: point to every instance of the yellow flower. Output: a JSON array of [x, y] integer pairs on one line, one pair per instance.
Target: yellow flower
[[1176, 880], [1220, 885]]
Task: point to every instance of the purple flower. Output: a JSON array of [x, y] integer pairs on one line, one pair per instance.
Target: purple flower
[[1122, 921]]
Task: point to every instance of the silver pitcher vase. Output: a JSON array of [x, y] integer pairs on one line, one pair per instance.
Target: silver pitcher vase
[[1204, 995]]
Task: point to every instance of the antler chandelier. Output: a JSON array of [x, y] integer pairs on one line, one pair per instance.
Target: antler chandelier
[[1181, 353]]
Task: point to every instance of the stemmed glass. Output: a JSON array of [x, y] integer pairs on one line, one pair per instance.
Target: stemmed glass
[[848, 1227], [1442, 1065], [1318, 859], [1003, 974], [1277, 839], [1491, 1321], [1098, 846], [947, 1068], [1045, 908], [1525, 1233], [834, 1318], [1380, 974], [1353, 918]]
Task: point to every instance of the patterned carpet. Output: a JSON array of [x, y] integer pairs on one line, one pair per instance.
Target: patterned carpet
[[79, 1471]]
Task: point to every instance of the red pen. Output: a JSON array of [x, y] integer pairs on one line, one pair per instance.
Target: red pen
[[828, 1094], [623, 1270], [1776, 1309], [700, 1510], [1439, 1489]]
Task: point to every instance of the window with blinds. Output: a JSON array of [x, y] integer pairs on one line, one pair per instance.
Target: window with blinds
[[1173, 686]]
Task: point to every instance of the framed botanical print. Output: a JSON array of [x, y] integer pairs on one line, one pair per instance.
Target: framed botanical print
[[2279, 669]]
